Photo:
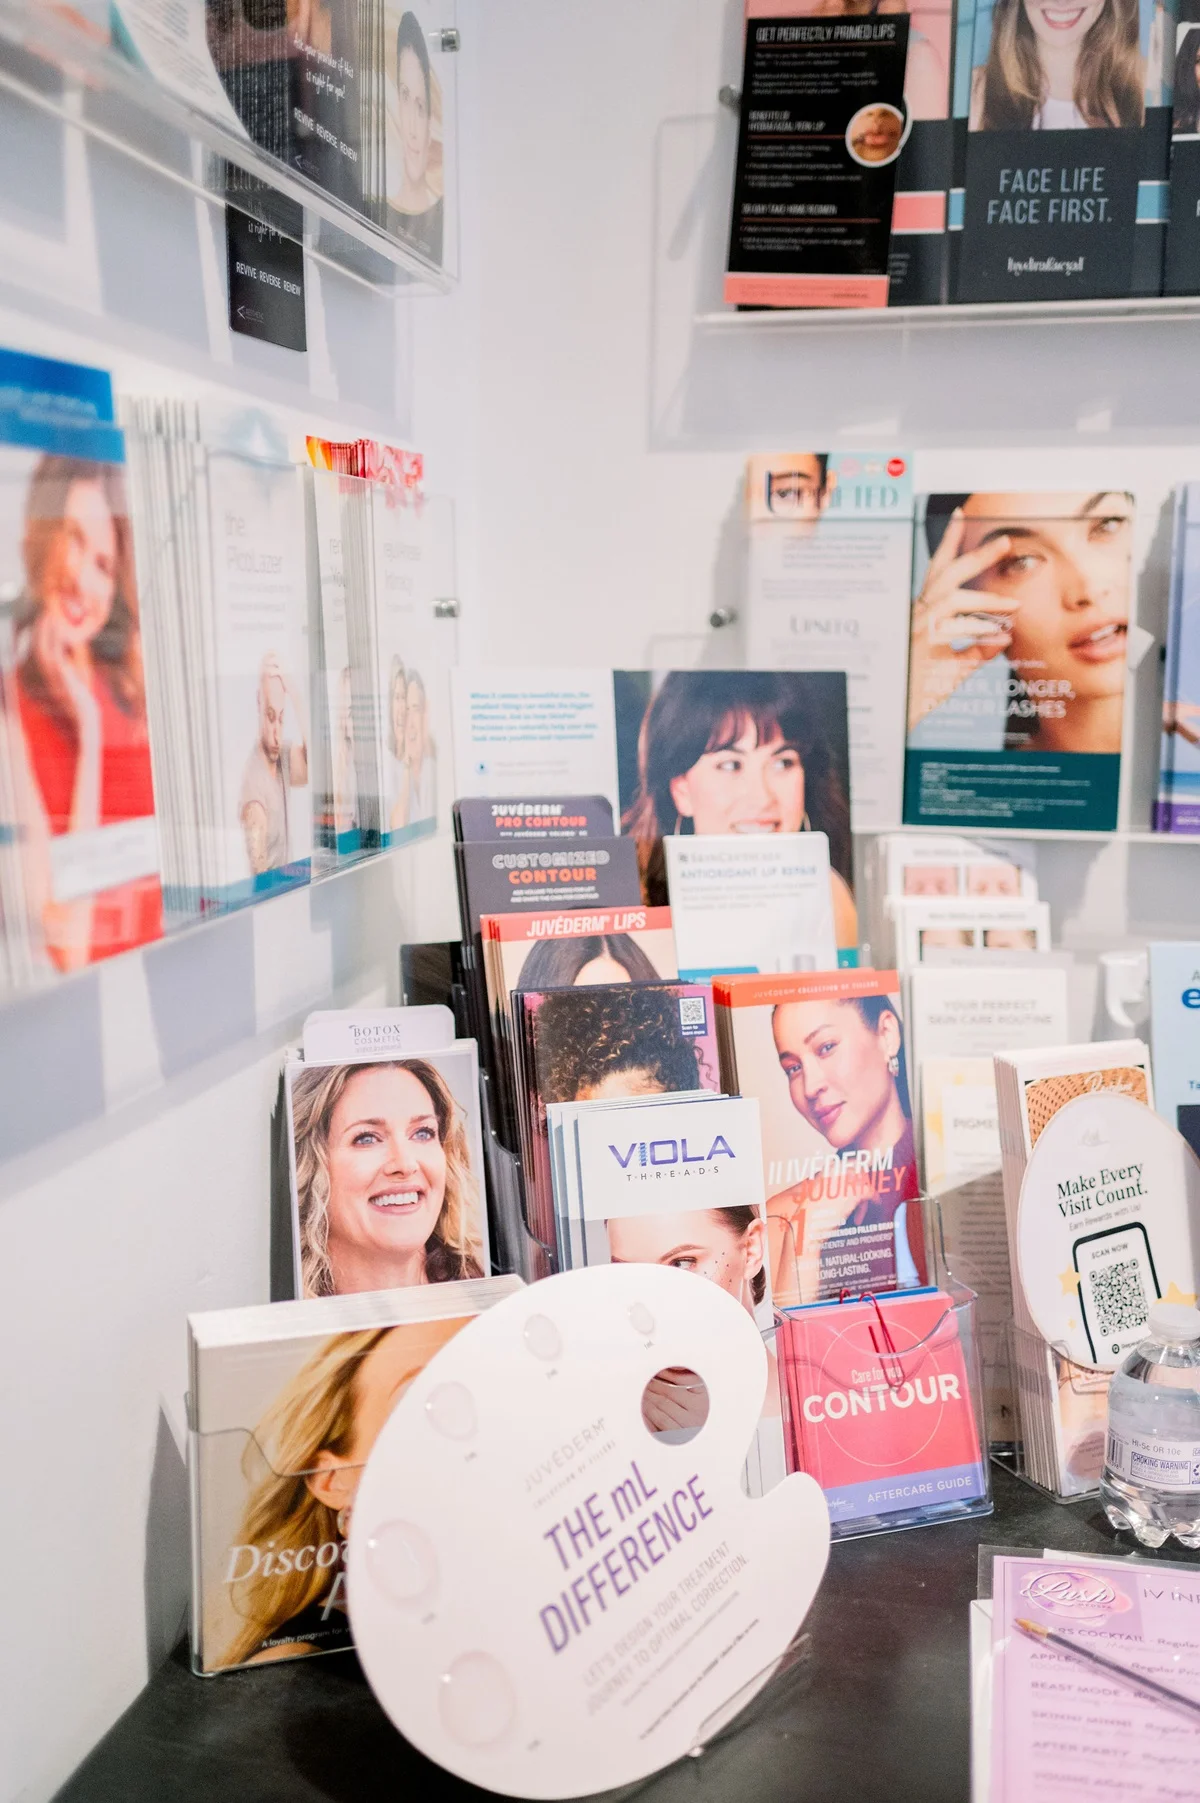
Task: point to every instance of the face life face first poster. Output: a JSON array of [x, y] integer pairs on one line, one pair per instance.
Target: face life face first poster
[[1016, 686]]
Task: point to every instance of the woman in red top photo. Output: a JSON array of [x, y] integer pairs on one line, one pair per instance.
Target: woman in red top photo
[[81, 700]]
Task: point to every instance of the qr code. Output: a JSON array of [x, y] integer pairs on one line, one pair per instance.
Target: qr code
[[1119, 1298], [693, 1016]]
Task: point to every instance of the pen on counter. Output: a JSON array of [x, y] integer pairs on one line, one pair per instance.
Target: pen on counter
[[1161, 1693]]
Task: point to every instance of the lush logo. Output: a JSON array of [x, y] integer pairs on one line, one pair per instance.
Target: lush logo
[[1079, 1596], [659, 1152]]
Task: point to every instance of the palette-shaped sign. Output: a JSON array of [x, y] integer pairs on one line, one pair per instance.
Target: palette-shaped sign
[[548, 1597]]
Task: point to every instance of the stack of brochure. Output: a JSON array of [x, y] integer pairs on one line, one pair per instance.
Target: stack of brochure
[[824, 1055], [921, 924], [602, 1042], [385, 1153], [751, 903], [79, 847], [1063, 1399], [1177, 809], [285, 1403], [942, 865], [380, 674], [678, 1182], [221, 551]]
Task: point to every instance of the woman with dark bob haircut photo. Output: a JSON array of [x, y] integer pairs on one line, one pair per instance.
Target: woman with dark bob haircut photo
[[737, 751]]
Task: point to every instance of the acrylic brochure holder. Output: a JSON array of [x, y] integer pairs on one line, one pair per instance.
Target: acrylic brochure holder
[[883, 1403], [1061, 1411]]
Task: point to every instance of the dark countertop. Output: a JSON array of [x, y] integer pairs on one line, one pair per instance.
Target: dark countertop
[[879, 1712]]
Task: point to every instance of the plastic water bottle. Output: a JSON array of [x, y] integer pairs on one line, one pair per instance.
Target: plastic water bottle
[[1151, 1482]]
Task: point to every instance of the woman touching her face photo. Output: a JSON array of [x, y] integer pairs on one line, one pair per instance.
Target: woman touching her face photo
[[383, 1179], [1044, 582]]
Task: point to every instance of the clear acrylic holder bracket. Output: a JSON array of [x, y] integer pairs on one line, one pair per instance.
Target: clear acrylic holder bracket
[[1061, 1410]]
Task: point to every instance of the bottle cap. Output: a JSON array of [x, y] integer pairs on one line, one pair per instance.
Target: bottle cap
[[1174, 1321]]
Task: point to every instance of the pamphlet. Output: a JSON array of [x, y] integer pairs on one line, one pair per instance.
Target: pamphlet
[[881, 1406], [1181, 262], [1063, 1731], [1175, 1033], [1075, 213], [830, 559], [1177, 809], [822, 125], [347, 1035], [564, 817], [939, 923], [1016, 682], [824, 1055], [750, 904]]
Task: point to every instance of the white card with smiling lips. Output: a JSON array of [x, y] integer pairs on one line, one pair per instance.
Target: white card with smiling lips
[[548, 1599]]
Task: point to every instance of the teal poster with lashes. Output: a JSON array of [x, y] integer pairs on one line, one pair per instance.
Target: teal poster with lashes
[[1067, 109], [1017, 658]]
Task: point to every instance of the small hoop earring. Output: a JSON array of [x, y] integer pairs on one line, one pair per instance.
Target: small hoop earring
[[343, 1520], [675, 828], [806, 823], [893, 1066]]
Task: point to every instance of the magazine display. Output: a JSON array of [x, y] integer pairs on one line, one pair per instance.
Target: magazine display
[[829, 564], [675, 1183], [1060, 216], [285, 1403], [1017, 660], [387, 1173], [822, 125], [79, 843], [678, 751], [759, 904], [824, 1056], [1177, 809], [1063, 1401], [601, 1043]]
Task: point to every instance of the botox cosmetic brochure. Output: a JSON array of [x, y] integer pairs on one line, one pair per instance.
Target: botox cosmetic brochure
[[547, 1599], [829, 562]]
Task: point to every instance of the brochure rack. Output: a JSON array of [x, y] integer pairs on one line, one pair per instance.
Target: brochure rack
[[54, 67], [1061, 1412]]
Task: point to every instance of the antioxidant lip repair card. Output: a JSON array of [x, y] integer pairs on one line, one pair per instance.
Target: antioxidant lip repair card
[[547, 1597]]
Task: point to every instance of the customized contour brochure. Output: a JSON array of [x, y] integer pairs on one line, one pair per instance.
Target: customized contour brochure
[[740, 904], [675, 751], [1175, 1034], [824, 1055], [822, 125], [881, 1409], [829, 565], [1016, 683], [1177, 809], [1067, 121], [285, 1402], [546, 1598], [917, 256]]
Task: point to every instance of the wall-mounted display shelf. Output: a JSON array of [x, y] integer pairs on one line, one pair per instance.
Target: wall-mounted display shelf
[[47, 64], [1122, 835], [814, 319]]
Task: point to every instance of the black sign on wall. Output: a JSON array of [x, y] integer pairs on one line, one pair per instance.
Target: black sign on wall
[[266, 281]]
